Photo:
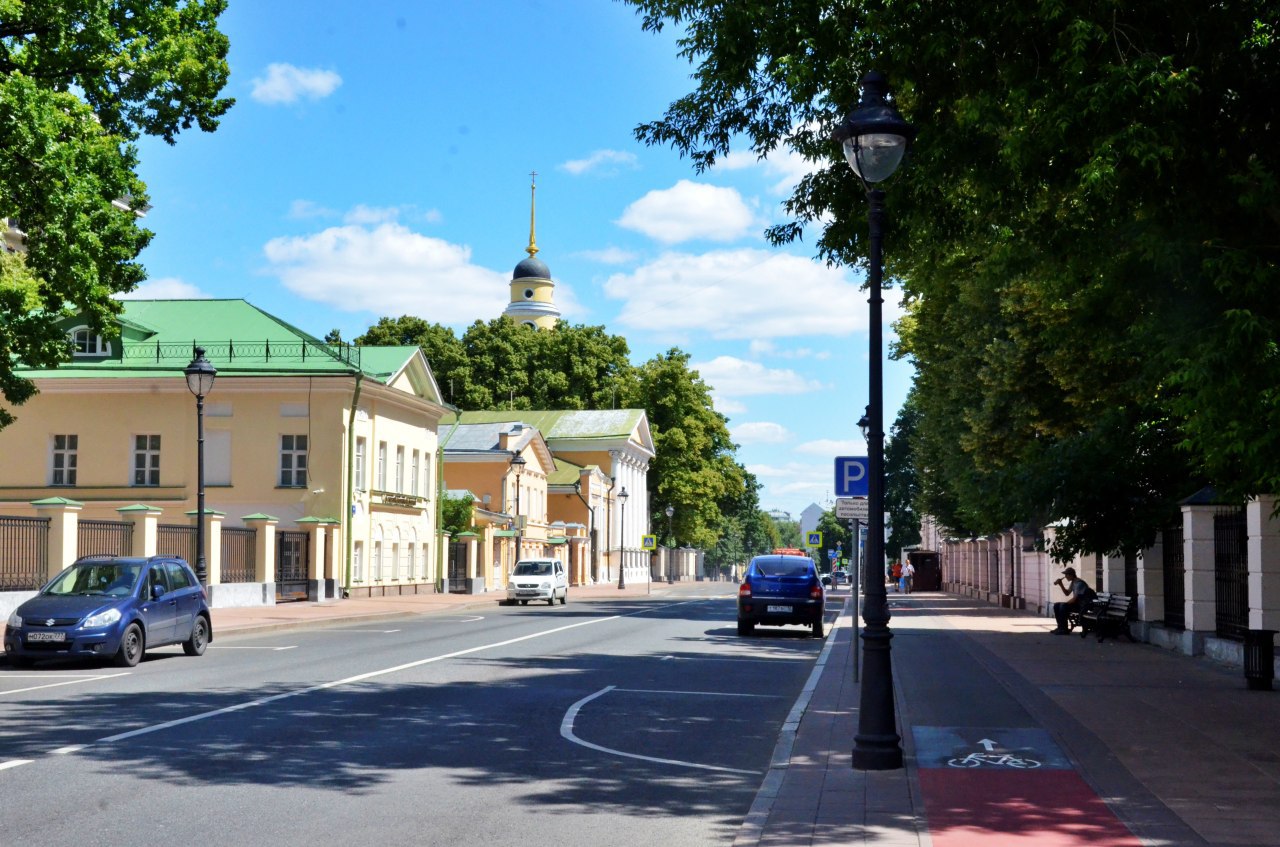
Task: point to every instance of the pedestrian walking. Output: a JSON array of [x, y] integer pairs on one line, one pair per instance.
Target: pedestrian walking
[[908, 576], [896, 571]]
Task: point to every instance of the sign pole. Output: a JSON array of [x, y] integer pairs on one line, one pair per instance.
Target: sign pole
[[854, 528]]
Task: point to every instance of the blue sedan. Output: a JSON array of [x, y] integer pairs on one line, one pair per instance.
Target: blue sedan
[[111, 607]]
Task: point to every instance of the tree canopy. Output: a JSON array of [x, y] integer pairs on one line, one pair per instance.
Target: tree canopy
[[1086, 233], [79, 82]]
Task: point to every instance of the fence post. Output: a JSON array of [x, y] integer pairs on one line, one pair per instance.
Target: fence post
[[330, 570], [64, 515], [145, 520], [1198, 562], [315, 528], [212, 543], [264, 566], [1264, 564]]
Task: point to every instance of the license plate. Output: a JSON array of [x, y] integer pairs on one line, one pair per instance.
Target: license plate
[[779, 610], [46, 636]]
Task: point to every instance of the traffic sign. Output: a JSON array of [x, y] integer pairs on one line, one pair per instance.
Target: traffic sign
[[851, 476], [813, 539], [648, 542], [852, 509]]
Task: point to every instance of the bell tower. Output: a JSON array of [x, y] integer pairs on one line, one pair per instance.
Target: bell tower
[[531, 284]]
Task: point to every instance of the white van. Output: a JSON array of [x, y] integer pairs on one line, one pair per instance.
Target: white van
[[538, 579]]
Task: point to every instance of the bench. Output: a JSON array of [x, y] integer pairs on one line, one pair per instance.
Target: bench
[[1107, 614]]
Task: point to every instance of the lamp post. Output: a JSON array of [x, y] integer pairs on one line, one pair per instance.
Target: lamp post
[[591, 529], [622, 539], [517, 465], [671, 545], [200, 375], [874, 138]]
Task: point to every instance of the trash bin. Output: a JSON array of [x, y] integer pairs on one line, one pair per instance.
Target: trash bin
[[1259, 658]]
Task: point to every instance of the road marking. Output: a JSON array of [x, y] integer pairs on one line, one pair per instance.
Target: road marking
[[371, 631], [63, 751], [13, 763], [566, 730], [262, 701], [66, 681], [245, 647], [695, 693]]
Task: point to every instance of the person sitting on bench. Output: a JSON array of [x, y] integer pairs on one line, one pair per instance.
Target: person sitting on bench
[[1078, 595]]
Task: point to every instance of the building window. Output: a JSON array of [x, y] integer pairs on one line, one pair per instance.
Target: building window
[[399, 470], [382, 466], [413, 563], [376, 564], [293, 461], [146, 460], [357, 562], [395, 560], [86, 342], [413, 476], [63, 464], [427, 486], [361, 448]]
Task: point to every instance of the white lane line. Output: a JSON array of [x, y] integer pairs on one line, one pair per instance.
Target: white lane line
[[262, 701], [373, 631], [696, 693], [566, 731], [63, 751], [249, 647], [66, 681], [13, 763]]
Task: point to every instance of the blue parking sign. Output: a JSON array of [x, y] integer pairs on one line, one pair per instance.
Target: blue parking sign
[[851, 476]]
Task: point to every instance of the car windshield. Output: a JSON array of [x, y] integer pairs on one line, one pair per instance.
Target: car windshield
[[783, 567], [533, 568], [114, 579]]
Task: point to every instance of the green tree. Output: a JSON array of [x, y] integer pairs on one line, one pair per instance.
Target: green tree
[[835, 536], [456, 514], [901, 487], [1086, 232], [79, 83]]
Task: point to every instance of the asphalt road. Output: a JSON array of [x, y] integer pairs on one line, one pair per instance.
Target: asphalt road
[[609, 722]]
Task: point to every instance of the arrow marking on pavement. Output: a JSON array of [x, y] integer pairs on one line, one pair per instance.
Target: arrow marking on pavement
[[988, 744]]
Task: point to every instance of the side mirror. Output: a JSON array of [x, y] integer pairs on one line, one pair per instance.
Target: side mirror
[[157, 591]]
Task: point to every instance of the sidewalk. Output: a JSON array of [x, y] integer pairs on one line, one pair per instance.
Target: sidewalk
[[1177, 747]]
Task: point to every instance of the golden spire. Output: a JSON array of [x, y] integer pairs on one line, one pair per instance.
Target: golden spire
[[532, 249]]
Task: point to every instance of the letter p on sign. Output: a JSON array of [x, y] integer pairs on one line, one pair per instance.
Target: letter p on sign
[[851, 476]]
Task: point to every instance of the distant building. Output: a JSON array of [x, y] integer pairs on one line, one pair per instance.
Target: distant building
[[810, 516], [779, 514]]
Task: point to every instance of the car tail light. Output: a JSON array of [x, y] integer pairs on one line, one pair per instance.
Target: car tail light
[[744, 590], [815, 590]]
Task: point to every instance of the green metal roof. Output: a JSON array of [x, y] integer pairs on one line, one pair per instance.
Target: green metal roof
[[602, 423], [158, 338]]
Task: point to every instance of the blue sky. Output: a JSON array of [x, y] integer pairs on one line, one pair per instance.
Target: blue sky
[[377, 163]]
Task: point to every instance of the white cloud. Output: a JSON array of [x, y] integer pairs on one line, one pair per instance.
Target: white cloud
[[727, 407], [741, 294], [785, 166], [389, 269], [794, 485], [690, 210], [305, 209], [285, 83], [832, 447], [362, 214], [606, 162], [760, 432], [164, 288], [732, 377]]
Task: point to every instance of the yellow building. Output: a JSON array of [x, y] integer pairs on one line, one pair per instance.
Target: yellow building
[[532, 288], [321, 466]]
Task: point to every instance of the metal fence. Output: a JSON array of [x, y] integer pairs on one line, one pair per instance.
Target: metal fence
[[238, 554], [1231, 572], [24, 553], [176, 540], [104, 538], [458, 566], [1175, 585], [293, 552]]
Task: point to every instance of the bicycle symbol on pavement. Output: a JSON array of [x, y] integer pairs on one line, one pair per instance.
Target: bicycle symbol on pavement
[[995, 760]]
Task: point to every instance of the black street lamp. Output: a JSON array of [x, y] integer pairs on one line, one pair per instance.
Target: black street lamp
[[591, 530], [622, 538], [200, 375], [517, 465], [875, 137], [671, 545]]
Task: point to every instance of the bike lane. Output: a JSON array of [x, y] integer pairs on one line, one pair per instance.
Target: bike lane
[[989, 773]]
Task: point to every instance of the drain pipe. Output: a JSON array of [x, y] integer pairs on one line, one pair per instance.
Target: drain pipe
[[350, 493], [440, 489]]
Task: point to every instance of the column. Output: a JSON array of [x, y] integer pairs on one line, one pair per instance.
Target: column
[[264, 550], [316, 552], [1151, 582], [1198, 560], [64, 526], [1264, 564], [1112, 574], [145, 520]]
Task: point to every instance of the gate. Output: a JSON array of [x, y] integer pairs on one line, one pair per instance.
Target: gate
[[1231, 572], [176, 540], [104, 538], [458, 567], [24, 553], [238, 561], [292, 549], [1175, 585]]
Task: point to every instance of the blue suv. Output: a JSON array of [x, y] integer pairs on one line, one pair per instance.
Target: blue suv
[[780, 589], [111, 607]]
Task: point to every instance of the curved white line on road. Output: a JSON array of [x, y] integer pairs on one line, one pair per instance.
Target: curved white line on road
[[566, 730]]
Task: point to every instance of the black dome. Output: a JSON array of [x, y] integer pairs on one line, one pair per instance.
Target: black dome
[[532, 268]]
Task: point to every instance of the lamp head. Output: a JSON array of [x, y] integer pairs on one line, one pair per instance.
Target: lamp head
[[671, 510], [874, 135], [864, 423], [622, 496], [200, 374], [517, 463]]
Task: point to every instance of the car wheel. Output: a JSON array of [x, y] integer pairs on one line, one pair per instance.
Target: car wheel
[[746, 628], [131, 647], [551, 601], [817, 629], [564, 598], [194, 646], [524, 602]]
